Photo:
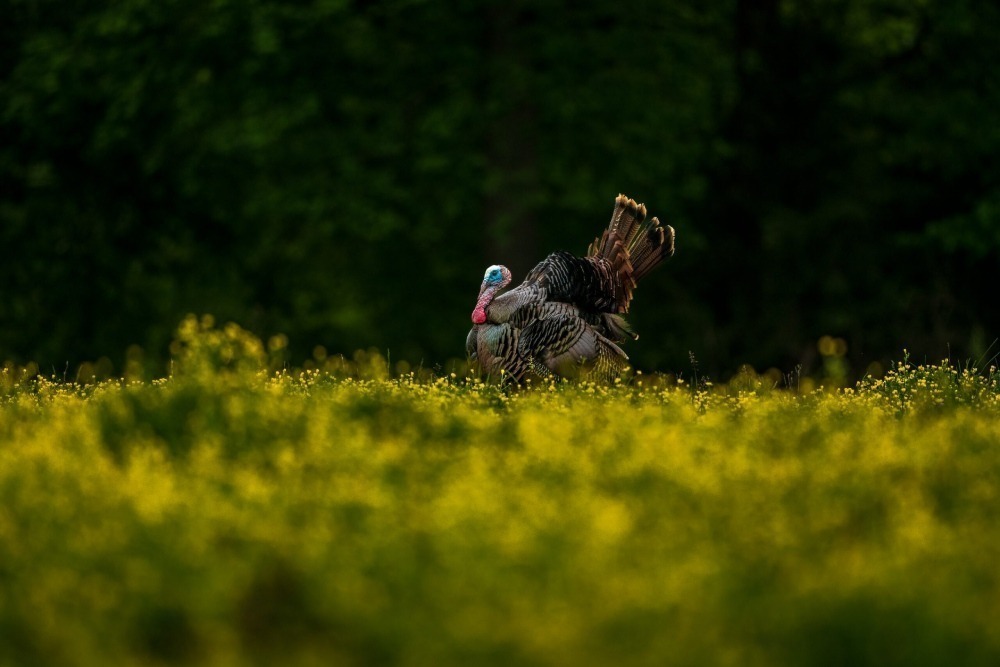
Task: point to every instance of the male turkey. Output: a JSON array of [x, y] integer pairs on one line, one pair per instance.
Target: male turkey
[[566, 317]]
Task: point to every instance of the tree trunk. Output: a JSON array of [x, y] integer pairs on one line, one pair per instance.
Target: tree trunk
[[509, 223]]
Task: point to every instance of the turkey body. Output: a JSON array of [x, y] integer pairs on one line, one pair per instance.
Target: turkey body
[[566, 318]]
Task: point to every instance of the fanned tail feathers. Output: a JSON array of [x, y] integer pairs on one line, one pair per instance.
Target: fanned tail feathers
[[632, 245]]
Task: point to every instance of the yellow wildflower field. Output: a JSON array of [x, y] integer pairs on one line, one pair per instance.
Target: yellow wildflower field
[[228, 516]]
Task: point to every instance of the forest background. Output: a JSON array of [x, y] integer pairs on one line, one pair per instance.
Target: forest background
[[343, 172]]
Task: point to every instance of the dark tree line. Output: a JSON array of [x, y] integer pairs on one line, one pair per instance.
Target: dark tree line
[[344, 171]]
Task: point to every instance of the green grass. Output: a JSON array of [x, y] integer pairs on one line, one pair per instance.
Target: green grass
[[229, 516]]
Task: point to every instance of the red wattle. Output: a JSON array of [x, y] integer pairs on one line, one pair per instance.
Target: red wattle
[[479, 316]]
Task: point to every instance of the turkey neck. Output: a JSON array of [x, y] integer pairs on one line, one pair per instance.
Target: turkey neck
[[486, 294]]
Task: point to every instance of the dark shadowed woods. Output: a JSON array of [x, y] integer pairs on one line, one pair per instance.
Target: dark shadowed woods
[[344, 172]]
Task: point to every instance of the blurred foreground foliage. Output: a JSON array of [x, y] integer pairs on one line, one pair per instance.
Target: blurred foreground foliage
[[233, 514]]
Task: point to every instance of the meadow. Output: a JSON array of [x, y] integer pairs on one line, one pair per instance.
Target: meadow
[[230, 514]]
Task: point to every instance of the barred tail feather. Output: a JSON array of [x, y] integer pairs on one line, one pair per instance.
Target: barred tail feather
[[626, 220], [653, 244]]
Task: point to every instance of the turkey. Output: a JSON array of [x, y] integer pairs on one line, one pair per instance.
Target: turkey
[[566, 318]]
